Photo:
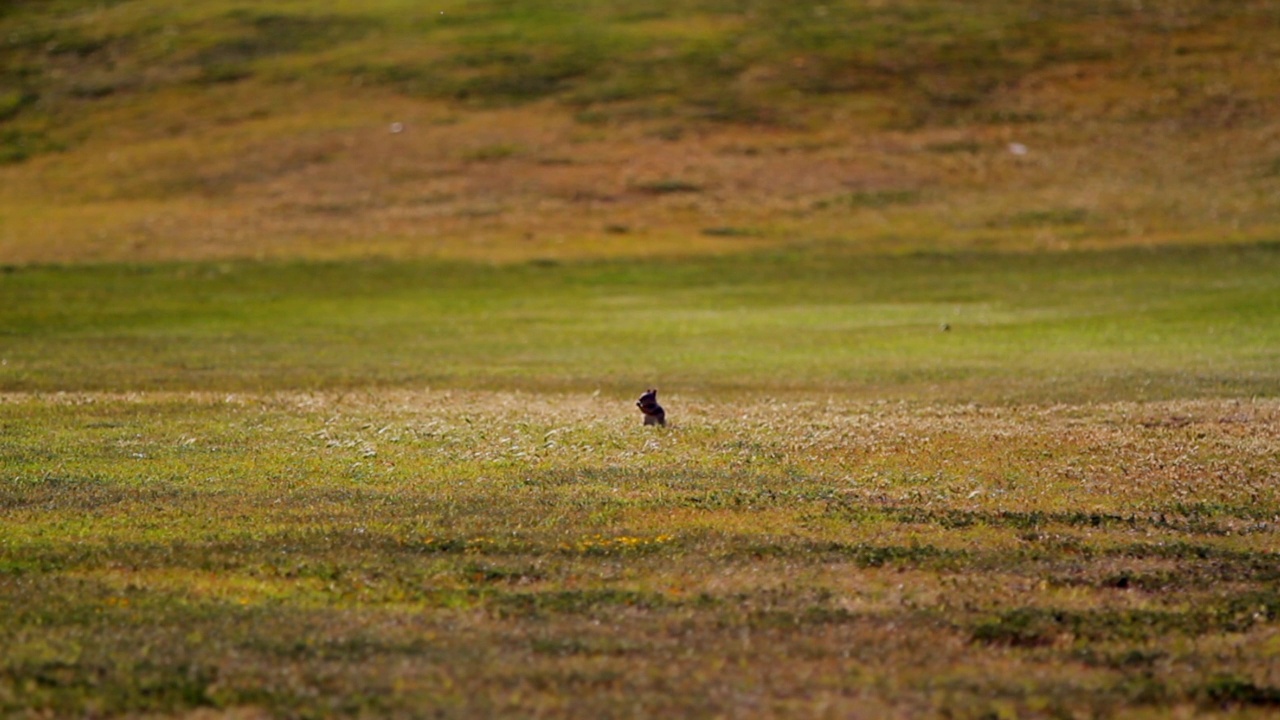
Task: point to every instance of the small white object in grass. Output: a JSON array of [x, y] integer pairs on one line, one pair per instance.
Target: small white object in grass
[[1017, 148], [397, 128]]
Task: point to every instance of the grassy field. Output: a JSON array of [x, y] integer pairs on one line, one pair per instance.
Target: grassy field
[[471, 553], [321, 326], [226, 489], [1133, 324]]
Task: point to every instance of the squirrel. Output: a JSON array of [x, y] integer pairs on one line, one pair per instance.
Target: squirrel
[[653, 412]]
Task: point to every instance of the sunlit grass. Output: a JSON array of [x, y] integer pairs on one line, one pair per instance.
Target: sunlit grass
[[225, 487], [223, 130], [347, 553], [321, 326], [984, 327]]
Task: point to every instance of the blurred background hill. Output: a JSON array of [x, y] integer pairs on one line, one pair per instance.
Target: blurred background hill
[[506, 130]]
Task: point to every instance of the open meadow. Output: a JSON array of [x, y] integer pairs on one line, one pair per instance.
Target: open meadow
[[418, 488], [322, 326]]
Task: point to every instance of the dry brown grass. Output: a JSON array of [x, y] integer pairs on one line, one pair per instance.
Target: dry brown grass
[[216, 131], [240, 175]]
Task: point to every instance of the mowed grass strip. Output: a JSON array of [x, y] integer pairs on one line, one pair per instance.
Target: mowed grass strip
[[505, 553], [1132, 324]]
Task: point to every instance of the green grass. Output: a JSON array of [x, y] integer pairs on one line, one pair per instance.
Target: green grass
[[469, 553], [226, 487], [1138, 324], [726, 61], [321, 326]]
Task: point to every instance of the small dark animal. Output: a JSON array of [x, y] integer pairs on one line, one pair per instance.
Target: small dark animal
[[653, 412]]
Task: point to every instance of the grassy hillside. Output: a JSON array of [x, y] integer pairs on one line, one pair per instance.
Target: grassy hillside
[[140, 129]]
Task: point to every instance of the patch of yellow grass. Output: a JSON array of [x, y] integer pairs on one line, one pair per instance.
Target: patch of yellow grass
[[231, 588], [269, 171]]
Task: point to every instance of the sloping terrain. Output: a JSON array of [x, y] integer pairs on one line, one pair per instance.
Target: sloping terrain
[[139, 129]]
